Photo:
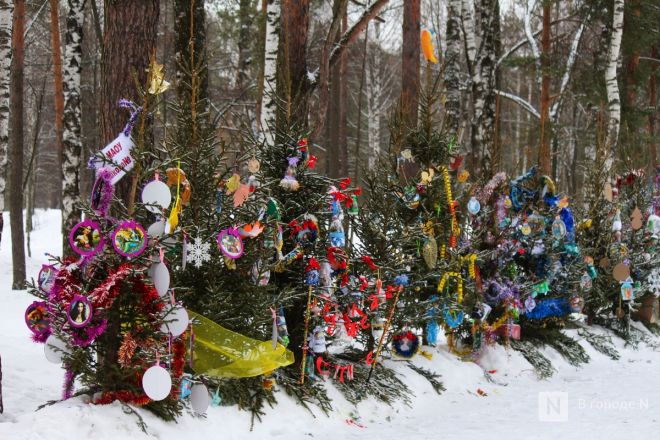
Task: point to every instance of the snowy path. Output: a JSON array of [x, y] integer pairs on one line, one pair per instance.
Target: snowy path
[[606, 399]]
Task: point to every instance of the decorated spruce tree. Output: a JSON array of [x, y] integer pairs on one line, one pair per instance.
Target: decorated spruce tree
[[103, 314], [619, 234]]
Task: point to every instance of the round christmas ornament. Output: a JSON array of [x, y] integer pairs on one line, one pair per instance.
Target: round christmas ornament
[[253, 165], [80, 312], [525, 229], [85, 238], [102, 192], [161, 278], [474, 206], [176, 321], [156, 229], [55, 349], [558, 229], [199, 398], [129, 239], [621, 272], [157, 383], [46, 277], [230, 243], [36, 318], [156, 196], [405, 344]]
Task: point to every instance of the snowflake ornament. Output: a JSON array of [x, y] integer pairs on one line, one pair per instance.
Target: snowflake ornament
[[654, 282], [199, 252]]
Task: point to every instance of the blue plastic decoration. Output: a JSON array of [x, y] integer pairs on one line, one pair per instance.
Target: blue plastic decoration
[[453, 318], [432, 331], [186, 386], [312, 277], [553, 307], [337, 239], [401, 280]]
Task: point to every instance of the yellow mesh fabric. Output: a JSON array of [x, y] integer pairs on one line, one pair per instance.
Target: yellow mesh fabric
[[220, 352]]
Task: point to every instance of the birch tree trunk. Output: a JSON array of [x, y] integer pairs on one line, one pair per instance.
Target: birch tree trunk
[[544, 158], [6, 8], [410, 62], [71, 137], [611, 81], [453, 68], [267, 120], [16, 170], [483, 83]]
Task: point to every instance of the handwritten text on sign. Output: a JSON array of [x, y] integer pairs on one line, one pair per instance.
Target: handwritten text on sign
[[117, 155]]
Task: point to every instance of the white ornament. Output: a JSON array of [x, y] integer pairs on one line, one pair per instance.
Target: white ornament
[[161, 278], [199, 398], [156, 229], [176, 321], [156, 196], [157, 383], [199, 252]]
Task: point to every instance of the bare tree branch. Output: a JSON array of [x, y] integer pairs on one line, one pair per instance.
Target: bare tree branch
[[530, 38], [572, 55]]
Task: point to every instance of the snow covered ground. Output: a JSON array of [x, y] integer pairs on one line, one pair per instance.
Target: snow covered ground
[[605, 399]]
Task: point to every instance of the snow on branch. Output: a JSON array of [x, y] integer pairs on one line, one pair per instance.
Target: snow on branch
[[521, 102], [530, 38]]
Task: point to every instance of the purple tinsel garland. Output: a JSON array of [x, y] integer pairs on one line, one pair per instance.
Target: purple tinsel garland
[[501, 291], [107, 191], [67, 387]]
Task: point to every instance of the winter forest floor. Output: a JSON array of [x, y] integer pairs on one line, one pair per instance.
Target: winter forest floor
[[606, 399]]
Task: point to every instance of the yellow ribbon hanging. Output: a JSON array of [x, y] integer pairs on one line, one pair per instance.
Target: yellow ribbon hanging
[[219, 352], [459, 280]]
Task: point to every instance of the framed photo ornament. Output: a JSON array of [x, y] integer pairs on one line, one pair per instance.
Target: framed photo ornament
[[80, 312], [230, 243], [86, 239], [129, 239]]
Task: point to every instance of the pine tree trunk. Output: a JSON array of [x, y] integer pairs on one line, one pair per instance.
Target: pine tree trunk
[[343, 104], [58, 92], [128, 43], [544, 158], [6, 8], [16, 170], [292, 84], [410, 62], [611, 79], [190, 29], [453, 68], [72, 141], [244, 43], [271, 45]]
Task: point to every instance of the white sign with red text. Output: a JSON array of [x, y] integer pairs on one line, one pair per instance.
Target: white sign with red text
[[118, 159]]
